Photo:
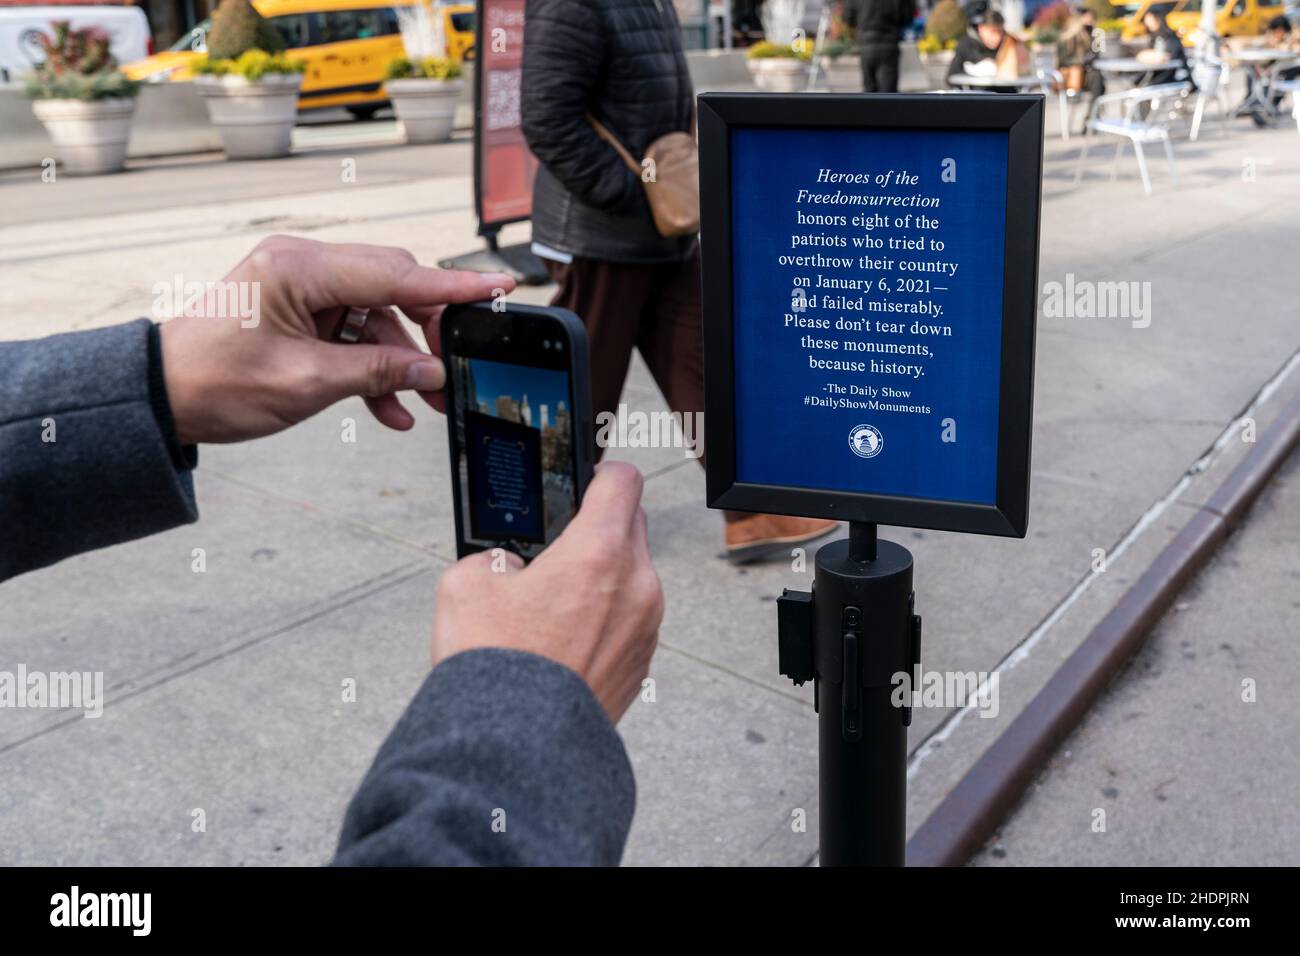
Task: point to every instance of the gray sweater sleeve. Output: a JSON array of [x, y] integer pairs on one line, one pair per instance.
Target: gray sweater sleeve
[[84, 454], [502, 758]]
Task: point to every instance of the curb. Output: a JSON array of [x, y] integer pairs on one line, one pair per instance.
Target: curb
[[974, 808]]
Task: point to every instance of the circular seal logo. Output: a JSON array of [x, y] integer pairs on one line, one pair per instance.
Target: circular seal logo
[[866, 441]]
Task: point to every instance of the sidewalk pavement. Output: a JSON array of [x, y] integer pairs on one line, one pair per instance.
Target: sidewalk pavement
[[224, 687], [1189, 758]]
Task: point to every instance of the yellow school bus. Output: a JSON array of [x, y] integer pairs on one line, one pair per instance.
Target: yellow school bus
[[346, 45]]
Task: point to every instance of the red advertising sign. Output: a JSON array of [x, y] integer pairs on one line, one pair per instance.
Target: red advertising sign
[[503, 165]]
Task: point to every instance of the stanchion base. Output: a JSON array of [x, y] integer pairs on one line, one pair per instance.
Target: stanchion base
[[853, 635], [517, 261]]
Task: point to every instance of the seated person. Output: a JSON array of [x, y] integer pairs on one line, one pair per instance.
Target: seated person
[[1280, 35], [1077, 50], [1166, 49], [987, 49]]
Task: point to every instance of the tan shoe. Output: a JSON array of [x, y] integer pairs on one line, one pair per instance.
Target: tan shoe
[[759, 536]]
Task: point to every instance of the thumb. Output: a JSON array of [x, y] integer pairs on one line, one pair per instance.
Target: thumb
[[343, 370]]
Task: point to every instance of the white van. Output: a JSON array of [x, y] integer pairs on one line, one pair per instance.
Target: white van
[[21, 27]]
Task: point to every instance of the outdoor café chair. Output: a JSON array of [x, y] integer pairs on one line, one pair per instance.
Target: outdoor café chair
[[1211, 78], [1292, 87], [1052, 80], [1140, 116], [1065, 98]]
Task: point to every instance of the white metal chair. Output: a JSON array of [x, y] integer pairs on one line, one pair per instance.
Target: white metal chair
[[1141, 117], [1055, 78], [1067, 99], [1292, 87], [1211, 77], [1051, 82]]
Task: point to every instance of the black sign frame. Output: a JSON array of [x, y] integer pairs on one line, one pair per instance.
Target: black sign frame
[[1021, 117]]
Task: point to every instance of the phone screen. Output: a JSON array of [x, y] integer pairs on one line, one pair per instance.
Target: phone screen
[[513, 441]]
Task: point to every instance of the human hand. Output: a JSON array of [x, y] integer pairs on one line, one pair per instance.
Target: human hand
[[590, 601], [233, 377]]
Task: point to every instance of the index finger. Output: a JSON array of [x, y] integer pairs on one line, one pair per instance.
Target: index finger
[[612, 502], [388, 276]]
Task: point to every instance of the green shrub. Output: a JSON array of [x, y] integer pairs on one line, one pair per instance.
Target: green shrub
[[98, 86], [252, 65], [426, 68], [237, 28], [932, 44], [78, 66], [767, 50], [837, 48], [946, 23]]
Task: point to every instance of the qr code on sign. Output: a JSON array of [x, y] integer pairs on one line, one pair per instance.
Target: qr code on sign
[[503, 99]]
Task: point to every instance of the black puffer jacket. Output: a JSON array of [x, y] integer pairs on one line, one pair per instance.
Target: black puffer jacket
[[622, 61], [879, 21]]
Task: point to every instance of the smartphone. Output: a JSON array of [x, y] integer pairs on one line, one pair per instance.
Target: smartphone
[[518, 422]]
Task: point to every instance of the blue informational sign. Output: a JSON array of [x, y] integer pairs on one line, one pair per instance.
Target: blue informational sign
[[867, 281], [504, 462]]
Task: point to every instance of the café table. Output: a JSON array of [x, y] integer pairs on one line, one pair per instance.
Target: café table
[[1040, 82], [1264, 64], [1137, 72], [1018, 83], [1129, 67]]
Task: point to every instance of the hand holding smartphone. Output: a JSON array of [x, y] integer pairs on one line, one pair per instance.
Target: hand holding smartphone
[[519, 424]]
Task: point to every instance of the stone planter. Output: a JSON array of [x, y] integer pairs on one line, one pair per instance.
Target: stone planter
[[779, 74], [936, 68], [1043, 56], [255, 119], [90, 136], [843, 73], [425, 108]]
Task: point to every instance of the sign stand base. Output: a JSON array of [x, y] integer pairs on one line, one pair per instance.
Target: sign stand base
[[517, 261], [851, 635]]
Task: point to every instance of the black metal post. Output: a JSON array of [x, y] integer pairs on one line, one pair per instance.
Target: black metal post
[[860, 632]]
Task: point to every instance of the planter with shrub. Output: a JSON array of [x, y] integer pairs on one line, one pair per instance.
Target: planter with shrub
[[424, 93], [935, 56], [777, 68], [943, 28], [1045, 32], [84, 102], [842, 66], [1043, 48], [249, 86]]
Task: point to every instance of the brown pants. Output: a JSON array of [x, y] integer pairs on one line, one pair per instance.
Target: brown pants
[[654, 308]]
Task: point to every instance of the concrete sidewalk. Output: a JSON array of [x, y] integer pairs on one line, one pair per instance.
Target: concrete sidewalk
[[225, 687], [1189, 759]]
